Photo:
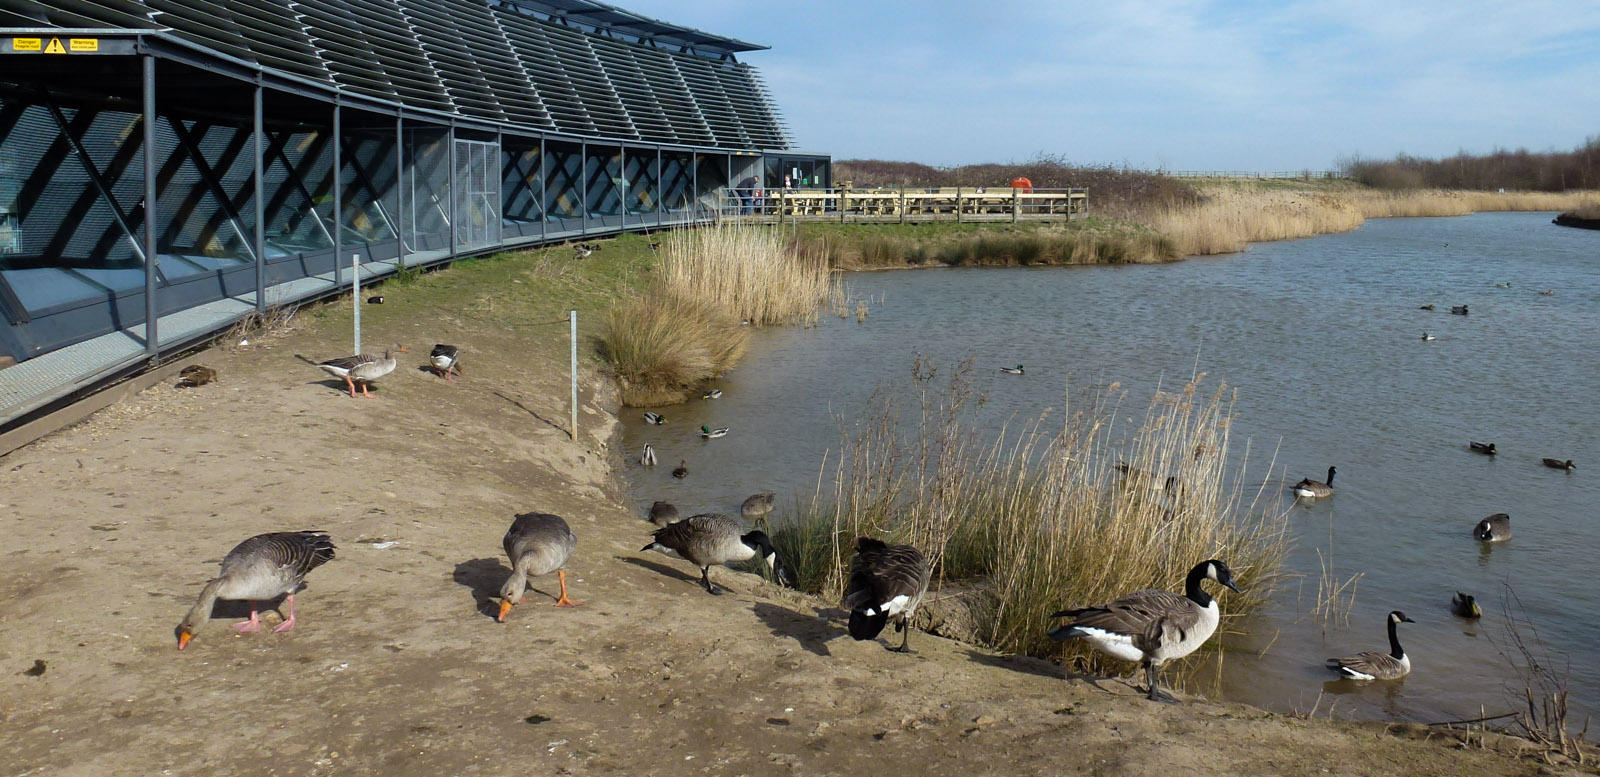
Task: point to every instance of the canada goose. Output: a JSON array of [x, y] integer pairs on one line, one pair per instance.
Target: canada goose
[[712, 434], [1151, 626], [1134, 477], [714, 538], [1372, 665], [1426, 307], [648, 456], [682, 470], [1313, 489], [537, 544], [758, 506], [362, 368], [654, 418], [1459, 310], [259, 569], [663, 513], [1427, 336], [1485, 448], [712, 394], [378, 300], [1463, 605], [1017, 370], [445, 359], [886, 581], [195, 375], [1558, 464], [1495, 528]]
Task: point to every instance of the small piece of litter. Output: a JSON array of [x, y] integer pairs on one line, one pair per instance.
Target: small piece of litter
[[383, 545]]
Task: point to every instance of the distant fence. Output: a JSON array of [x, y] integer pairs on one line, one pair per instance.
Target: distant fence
[[905, 204], [1303, 175]]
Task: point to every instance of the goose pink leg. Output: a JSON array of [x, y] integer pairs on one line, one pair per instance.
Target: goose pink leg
[[254, 624], [289, 622]]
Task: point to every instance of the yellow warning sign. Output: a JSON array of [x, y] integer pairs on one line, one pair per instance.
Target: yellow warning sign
[[83, 44], [26, 44], [55, 47]]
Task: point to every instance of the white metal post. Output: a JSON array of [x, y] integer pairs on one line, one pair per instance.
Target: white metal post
[[572, 316], [355, 294]]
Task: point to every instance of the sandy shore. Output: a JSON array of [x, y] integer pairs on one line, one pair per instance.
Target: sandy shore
[[396, 666]]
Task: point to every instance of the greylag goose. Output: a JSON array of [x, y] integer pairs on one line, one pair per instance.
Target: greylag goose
[[1151, 626], [1315, 489], [1464, 606], [1559, 464], [260, 569], [1495, 528], [1372, 665], [195, 375], [362, 368], [537, 544], [445, 359], [714, 538], [886, 582], [663, 513], [758, 506]]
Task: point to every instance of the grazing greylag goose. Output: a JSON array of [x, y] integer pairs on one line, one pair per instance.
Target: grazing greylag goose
[[682, 470], [758, 506], [712, 394], [1372, 665], [648, 456], [1464, 606], [651, 417], [1485, 448], [445, 359], [1495, 528], [260, 569], [715, 538], [1017, 370], [708, 433], [195, 375], [663, 513], [537, 544], [362, 368], [1558, 464], [1315, 489], [1151, 626], [886, 582]]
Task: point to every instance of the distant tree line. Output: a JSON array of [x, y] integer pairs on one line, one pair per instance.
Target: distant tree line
[[1115, 192], [1515, 170]]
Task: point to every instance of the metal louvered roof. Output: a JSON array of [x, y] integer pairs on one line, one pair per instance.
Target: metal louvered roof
[[569, 66]]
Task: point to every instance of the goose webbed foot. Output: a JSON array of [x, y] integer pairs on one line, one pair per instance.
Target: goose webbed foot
[[705, 580], [905, 638], [246, 627], [1155, 693], [288, 623], [563, 601]]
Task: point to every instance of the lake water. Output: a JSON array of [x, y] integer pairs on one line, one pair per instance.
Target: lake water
[[1321, 338]]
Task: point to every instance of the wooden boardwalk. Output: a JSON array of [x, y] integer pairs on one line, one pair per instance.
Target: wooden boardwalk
[[906, 205]]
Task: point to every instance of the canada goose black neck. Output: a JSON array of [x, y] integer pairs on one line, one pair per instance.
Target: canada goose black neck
[[1331, 471], [1191, 586], [1394, 639]]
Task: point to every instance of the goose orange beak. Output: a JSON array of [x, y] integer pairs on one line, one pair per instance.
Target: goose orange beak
[[505, 609], [183, 639]]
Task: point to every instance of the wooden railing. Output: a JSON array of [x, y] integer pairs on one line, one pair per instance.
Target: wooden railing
[[903, 205]]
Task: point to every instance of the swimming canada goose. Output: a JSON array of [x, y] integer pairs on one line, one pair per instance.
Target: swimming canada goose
[[654, 418], [1495, 528], [712, 434], [1426, 307], [714, 538], [1485, 448], [195, 375], [260, 569], [1313, 489], [1558, 464], [1459, 310], [648, 456], [1372, 665], [445, 359], [1017, 370], [663, 513], [537, 544], [1464, 606], [682, 470], [362, 368], [886, 582], [712, 394], [1134, 477], [1427, 336], [758, 506], [1151, 626]]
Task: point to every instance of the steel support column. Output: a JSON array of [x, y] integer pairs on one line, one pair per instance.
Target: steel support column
[[399, 189], [544, 189], [583, 183], [258, 150], [622, 193], [660, 192], [151, 344], [453, 183], [338, 197]]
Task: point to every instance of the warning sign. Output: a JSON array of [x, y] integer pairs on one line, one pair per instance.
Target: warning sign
[[83, 44], [26, 44], [55, 47]]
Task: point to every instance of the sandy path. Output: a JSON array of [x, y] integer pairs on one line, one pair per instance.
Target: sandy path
[[111, 528]]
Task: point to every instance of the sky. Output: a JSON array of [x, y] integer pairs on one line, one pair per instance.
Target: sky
[[1168, 84]]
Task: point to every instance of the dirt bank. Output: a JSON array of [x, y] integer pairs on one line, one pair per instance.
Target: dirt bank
[[112, 526]]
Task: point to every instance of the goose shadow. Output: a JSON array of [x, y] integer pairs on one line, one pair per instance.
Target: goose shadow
[[660, 569], [484, 576], [813, 633], [1028, 665], [529, 411]]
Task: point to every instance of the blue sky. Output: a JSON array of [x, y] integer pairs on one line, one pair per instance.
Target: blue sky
[[1167, 83]]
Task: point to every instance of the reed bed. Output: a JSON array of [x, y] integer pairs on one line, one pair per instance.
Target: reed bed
[[1439, 202], [1024, 522], [1231, 217]]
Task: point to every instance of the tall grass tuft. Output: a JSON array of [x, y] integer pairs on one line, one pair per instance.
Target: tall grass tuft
[[661, 346], [1027, 521]]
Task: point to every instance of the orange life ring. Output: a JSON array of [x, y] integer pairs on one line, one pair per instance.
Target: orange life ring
[[1022, 184]]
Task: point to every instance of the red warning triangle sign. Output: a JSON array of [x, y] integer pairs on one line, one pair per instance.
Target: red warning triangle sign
[[55, 47]]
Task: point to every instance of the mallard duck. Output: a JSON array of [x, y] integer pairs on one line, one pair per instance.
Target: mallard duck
[[1495, 528], [682, 470], [362, 368], [886, 582], [260, 569], [1464, 606], [537, 544], [1485, 448], [1558, 464], [1426, 307], [1372, 665], [583, 251], [1427, 336], [712, 434], [1314, 489], [195, 375], [663, 513], [1017, 370], [1503, 285], [756, 507], [445, 360], [654, 418], [648, 456], [712, 394], [714, 538], [1459, 310], [1151, 626]]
